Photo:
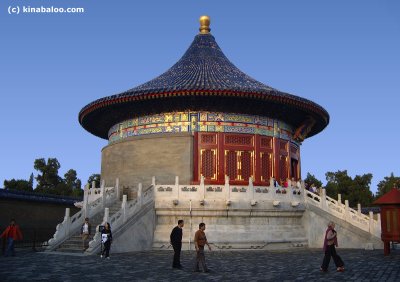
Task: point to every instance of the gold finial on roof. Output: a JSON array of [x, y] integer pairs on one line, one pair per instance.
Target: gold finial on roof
[[204, 25]]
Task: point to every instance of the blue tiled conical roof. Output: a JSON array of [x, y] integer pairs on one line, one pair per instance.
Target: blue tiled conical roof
[[203, 79], [203, 67]]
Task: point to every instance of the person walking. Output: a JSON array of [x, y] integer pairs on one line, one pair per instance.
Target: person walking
[[330, 242], [12, 233], [200, 240], [106, 239], [176, 242], [85, 232]]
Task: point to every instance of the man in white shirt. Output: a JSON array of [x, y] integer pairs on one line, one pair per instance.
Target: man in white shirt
[[85, 232]]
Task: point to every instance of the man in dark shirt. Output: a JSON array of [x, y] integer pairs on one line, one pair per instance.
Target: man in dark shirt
[[176, 242]]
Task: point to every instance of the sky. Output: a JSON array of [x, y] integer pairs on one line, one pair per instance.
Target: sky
[[343, 55]]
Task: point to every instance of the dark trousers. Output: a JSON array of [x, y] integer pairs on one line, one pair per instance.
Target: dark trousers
[[106, 250], [177, 255], [331, 252], [10, 247], [200, 260]]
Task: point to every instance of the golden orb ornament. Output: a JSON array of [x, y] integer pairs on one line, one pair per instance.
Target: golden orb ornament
[[204, 24]]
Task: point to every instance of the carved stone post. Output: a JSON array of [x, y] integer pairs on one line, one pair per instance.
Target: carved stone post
[[93, 184], [251, 187], [346, 209], [67, 221], [177, 187], [359, 209], [371, 222], [117, 192], [140, 194], [103, 193], [106, 215], [227, 188], [323, 199], [123, 206], [339, 198], [202, 188], [85, 205]]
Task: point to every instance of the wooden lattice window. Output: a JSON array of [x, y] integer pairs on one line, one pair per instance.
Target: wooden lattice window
[[266, 142], [283, 167], [208, 164], [246, 167], [283, 146], [238, 140], [266, 166], [231, 166], [208, 138]]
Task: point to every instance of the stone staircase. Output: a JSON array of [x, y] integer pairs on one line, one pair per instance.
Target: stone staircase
[[74, 243]]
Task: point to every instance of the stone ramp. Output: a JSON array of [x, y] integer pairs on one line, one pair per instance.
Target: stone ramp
[[315, 221]]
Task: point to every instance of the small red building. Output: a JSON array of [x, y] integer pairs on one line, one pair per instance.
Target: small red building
[[390, 220]]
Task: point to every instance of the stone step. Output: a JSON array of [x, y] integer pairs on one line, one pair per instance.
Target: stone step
[[70, 250]]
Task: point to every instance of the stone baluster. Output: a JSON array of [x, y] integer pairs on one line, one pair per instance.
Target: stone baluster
[[123, 206], [103, 193], [202, 188], [93, 184], [117, 192], [346, 210], [177, 192], [323, 199], [251, 187], [339, 198], [227, 188], [371, 222], [140, 194], [67, 222], [85, 205], [106, 215], [359, 209]]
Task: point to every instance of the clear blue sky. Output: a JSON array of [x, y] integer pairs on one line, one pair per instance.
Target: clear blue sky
[[343, 55]]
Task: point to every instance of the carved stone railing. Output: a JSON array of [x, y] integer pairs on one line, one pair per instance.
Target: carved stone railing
[[71, 225], [128, 210], [344, 212], [231, 194]]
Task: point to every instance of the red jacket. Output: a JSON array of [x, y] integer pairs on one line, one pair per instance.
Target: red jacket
[[12, 231]]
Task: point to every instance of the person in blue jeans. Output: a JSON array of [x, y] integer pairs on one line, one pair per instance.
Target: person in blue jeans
[[11, 234]]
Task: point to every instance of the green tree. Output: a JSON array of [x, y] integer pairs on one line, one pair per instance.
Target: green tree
[[387, 184], [310, 179], [48, 178], [73, 183], [94, 177], [18, 184], [355, 190]]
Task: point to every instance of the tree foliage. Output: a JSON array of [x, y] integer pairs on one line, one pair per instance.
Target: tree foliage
[[96, 178], [310, 180], [387, 184], [18, 184], [355, 190], [48, 178]]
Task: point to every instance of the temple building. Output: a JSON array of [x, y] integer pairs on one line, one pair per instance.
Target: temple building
[[204, 142], [202, 117]]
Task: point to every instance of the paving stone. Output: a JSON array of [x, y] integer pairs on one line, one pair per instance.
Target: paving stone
[[259, 265]]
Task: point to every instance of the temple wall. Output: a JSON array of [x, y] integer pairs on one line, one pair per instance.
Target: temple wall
[[136, 159]]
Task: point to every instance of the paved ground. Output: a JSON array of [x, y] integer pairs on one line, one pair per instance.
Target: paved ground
[[297, 265]]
